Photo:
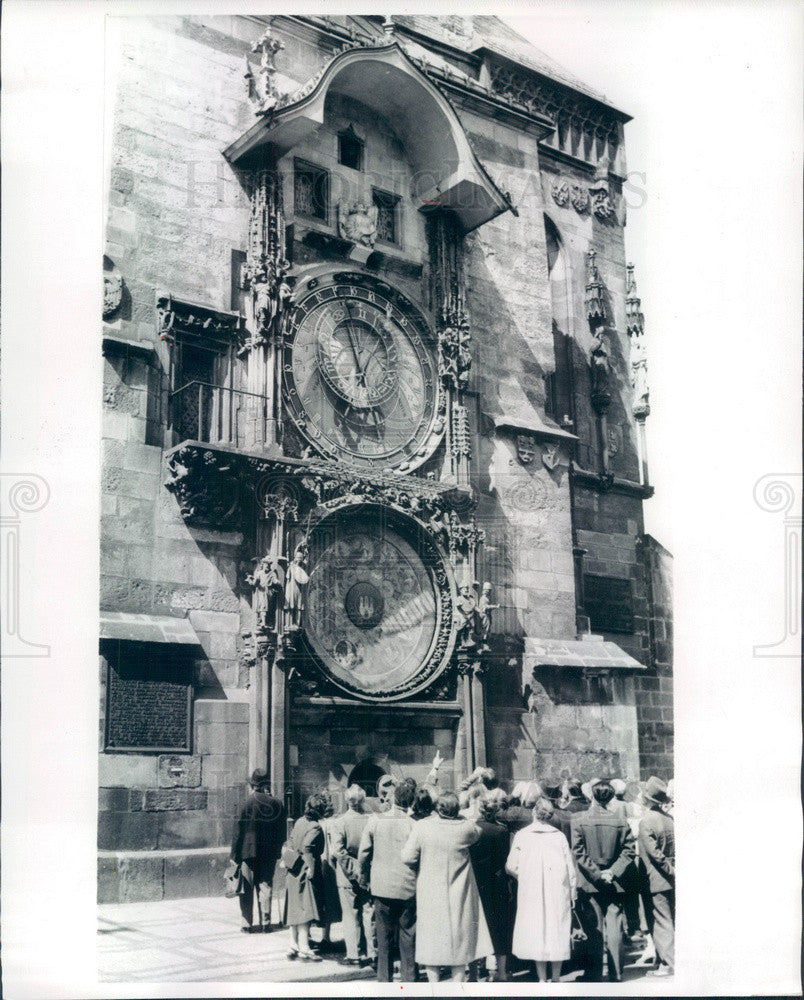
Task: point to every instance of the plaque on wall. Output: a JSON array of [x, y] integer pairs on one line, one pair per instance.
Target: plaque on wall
[[379, 605], [148, 698], [608, 603]]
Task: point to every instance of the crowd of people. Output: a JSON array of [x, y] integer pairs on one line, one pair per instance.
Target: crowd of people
[[470, 884]]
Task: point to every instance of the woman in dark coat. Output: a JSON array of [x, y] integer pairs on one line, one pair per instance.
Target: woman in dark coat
[[488, 856], [304, 889]]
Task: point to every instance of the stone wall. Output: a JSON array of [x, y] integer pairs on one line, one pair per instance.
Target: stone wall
[[165, 821], [655, 689]]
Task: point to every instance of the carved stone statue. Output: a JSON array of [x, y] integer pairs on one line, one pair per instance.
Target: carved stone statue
[[599, 361], [484, 608], [639, 372], [358, 222], [466, 617], [112, 294], [268, 581], [296, 586]]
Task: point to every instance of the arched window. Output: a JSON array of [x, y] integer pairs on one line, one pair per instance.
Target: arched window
[[559, 402]]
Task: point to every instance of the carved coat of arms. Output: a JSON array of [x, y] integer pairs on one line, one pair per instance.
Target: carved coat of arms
[[358, 222], [579, 197], [551, 456], [525, 449], [560, 191], [112, 293]]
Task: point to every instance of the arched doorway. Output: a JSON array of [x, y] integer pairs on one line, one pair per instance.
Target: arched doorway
[[366, 774]]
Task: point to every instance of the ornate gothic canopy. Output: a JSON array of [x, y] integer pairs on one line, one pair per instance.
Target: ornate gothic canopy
[[446, 171]]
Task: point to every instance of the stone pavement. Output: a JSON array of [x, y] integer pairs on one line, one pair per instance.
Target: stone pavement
[[199, 940]]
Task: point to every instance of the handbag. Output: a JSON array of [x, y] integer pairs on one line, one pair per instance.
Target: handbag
[[233, 881], [578, 936], [290, 859]]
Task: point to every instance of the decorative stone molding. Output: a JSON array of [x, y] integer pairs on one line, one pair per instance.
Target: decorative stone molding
[[595, 301], [262, 92], [635, 328], [191, 321], [584, 128], [266, 273]]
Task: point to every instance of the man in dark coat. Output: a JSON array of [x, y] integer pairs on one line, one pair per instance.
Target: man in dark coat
[[392, 883], [577, 801], [256, 845], [604, 850], [657, 850]]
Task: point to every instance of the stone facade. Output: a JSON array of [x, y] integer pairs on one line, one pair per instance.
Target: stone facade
[[552, 469]]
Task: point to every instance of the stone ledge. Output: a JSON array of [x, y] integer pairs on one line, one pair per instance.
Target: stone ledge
[[151, 876]]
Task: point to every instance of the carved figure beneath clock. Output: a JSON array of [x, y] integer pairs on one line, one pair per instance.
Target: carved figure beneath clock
[[268, 581], [358, 222], [296, 588], [484, 608], [466, 616]]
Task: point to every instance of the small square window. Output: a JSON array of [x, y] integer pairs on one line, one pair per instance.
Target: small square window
[[310, 190], [350, 149], [387, 229]]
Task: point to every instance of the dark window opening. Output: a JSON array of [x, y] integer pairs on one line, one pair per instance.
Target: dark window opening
[[608, 603], [149, 697], [386, 204], [350, 149], [310, 190]]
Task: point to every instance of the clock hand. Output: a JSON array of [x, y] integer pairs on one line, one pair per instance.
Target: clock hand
[[352, 345]]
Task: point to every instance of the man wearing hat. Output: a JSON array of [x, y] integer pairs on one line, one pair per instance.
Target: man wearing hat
[[604, 850], [561, 819], [256, 845], [657, 849]]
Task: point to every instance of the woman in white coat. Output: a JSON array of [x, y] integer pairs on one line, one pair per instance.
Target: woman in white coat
[[541, 861]]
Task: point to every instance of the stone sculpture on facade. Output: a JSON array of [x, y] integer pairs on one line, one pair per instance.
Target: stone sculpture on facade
[[560, 191], [467, 618], [262, 92], [485, 608], [296, 587], [358, 222], [268, 581], [112, 294], [599, 191], [599, 361]]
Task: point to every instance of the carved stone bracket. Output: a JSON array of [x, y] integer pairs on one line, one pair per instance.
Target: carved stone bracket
[[218, 487], [206, 485]]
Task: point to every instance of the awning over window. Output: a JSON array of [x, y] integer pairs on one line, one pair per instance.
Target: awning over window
[[147, 628], [589, 652]]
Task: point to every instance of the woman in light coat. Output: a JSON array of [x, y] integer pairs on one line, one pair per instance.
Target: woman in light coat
[[450, 926], [304, 890], [541, 861]]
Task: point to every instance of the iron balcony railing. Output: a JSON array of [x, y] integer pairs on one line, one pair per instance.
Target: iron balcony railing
[[214, 414]]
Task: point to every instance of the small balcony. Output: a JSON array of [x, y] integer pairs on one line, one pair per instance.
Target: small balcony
[[215, 415]]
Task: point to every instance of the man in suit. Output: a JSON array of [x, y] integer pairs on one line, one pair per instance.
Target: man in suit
[[658, 852], [256, 845], [392, 883], [356, 906], [604, 850]]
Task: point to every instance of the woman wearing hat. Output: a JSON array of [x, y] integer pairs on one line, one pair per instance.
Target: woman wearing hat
[[256, 845], [303, 886]]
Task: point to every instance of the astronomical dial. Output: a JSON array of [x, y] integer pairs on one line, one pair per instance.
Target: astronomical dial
[[377, 615], [360, 373]]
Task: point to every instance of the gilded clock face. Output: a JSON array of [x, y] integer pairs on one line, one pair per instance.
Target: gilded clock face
[[378, 608], [360, 373]]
